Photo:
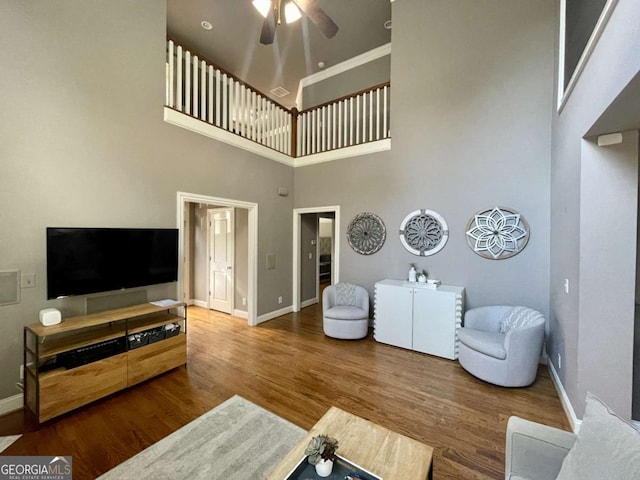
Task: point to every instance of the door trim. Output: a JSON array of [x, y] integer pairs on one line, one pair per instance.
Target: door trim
[[252, 261], [297, 213]]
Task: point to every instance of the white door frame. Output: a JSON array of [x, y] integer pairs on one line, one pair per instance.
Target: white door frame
[[252, 287], [335, 277]]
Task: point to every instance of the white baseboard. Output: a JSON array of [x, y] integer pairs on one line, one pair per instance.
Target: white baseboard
[[564, 399], [11, 404], [311, 301], [240, 313], [274, 314], [200, 303]]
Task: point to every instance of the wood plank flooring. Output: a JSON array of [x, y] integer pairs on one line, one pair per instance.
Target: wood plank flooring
[[289, 367]]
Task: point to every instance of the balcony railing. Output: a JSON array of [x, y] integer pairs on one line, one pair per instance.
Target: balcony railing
[[198, 88]]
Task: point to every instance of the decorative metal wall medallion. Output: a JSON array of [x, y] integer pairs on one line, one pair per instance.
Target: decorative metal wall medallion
[[366, 233], [424, 232], [497, 233]]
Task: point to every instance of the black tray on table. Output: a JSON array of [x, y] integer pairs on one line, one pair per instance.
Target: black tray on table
[[341, 469]]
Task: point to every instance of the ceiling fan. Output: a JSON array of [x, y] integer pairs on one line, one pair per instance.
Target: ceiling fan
[[272, 11]]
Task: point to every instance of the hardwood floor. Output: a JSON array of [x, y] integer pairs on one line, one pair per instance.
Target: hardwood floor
[[289, 367]]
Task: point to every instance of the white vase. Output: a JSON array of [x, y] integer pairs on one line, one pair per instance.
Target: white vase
[[324, 467], [422, 279], [412, 274]]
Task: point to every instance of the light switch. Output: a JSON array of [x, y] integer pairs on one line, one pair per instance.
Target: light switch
[[310, 256]]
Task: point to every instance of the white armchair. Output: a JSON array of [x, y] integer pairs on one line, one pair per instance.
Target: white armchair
[[345, 311], [502, 344]]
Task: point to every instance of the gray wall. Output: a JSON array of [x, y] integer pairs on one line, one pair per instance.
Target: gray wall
[[470, 121], [595, 345], [364, 76], [308, 273], [83, 143]]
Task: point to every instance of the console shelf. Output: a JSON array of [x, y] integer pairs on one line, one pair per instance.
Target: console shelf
[[88, 357]]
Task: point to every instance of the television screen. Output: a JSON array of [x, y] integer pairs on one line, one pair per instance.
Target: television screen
[[91, 260]]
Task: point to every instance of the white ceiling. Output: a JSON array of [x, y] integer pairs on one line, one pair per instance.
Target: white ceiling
[[234, 41]]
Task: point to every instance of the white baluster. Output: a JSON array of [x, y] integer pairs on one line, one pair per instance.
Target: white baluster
[[179, 80], [384, 115], [256, 117], [227, 106], [237, 109], [170, 80], [203, 87], [358, 120], [218, 87], [187, 82], [323, 129], [195, 86], [378, 114], [351, 121], [289, 139], [345, 127], [339, 144], [313, 131], [370, 116], [210, 76]]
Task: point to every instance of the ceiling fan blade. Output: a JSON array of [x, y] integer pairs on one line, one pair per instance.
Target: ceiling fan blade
[[318, 16], [269, 28]]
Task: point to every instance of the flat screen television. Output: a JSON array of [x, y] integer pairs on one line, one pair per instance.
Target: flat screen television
[[91, 260]]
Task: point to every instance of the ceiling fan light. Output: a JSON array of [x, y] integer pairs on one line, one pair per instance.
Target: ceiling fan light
[[263, 6], [291, 12]]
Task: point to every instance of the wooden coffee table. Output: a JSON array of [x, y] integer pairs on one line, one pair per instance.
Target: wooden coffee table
[[385, 453]]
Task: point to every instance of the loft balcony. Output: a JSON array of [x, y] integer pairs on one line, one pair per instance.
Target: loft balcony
[[206, 99]]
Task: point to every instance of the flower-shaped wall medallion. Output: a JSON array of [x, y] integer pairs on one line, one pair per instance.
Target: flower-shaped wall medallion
[[497, 233], [366, 233], [424, 232]]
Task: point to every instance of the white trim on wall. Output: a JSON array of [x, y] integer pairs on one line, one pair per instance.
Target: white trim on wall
[[203, 128], [342, 67], [276, 313], [309, 302], [240, 313], [564, 399], [564, 93], [252, 262], [297, 213], [11, 404]]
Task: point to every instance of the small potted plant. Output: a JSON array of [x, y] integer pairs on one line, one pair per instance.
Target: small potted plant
[[321, 452], [422, 276]]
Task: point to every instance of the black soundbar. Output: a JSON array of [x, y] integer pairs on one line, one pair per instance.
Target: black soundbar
[[92, 353]]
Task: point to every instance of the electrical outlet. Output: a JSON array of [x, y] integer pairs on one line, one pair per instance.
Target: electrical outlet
[[244, 301], [566, 286], [21, 373], [279, 300], [559, 361], [310, 256]]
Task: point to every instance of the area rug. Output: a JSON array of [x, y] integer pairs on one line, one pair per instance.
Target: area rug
[[237, 440], [6, 441]]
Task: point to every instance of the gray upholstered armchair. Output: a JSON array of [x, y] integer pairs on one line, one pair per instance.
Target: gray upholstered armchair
[[345, 311], [502, 344]]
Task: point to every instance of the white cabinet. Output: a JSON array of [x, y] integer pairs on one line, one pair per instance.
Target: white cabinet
[[414, 316]]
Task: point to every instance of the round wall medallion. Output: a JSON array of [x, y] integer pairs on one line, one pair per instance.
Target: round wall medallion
[[366, 233], [497, 233], [424, 232]]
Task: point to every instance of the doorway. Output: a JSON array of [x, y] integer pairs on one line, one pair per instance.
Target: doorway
[[244, 266], [306, 248]]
